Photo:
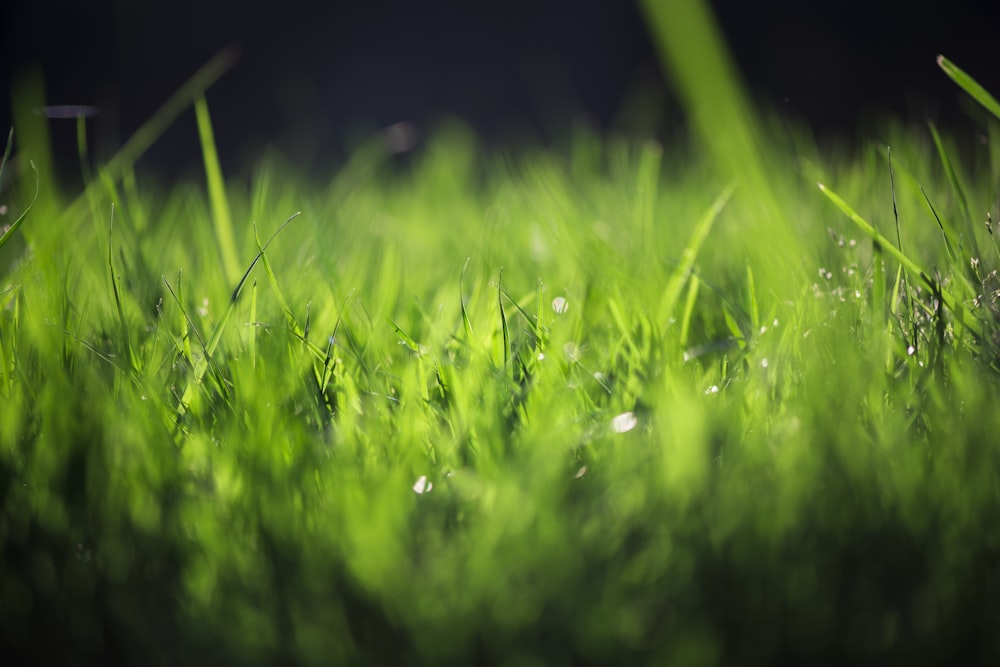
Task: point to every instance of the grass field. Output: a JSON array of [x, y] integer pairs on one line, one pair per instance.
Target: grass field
[[619, 403]]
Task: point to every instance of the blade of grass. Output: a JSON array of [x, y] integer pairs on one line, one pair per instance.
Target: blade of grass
[[158, 123], [253, 325], [692, 297], [221, 215], [957, 190], [969, 85], [209, 349], [694, 56], [273, 279], [948, 244], [20, 219], [503, 321], [116, 290], [900, 283], [672, 292], [960, 309]]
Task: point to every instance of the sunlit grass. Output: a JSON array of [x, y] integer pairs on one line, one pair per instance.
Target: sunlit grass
[[557, 408]]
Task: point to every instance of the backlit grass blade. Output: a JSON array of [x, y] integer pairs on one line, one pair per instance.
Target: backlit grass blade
[[672, 291], [647, 181], [273, 279], [503, 321], [696, 61], [202, 365], [958, 190], [116, 290], [956, 306], [253, 325], [969, 85], [692, 297], [221, 216], [20, 219], [949, 245], [466, 322], [158, 123]]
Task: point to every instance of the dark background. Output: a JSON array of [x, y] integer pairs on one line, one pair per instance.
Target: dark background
[[312, 75]]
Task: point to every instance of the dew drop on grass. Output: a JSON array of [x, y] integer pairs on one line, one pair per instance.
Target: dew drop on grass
[[714, 389], [3, 209], [910, 350], [580, 473], [422, 485], [624, 422], [763, 363], [560, 305]]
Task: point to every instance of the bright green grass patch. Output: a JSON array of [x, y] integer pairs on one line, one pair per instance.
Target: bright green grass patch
[[551, 409]]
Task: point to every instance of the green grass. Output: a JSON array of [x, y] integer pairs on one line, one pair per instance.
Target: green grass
[[622, 403]]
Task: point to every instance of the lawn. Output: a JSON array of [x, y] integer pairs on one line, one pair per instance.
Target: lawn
[[616, 402]]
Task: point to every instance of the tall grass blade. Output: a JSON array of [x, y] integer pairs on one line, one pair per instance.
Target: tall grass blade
[[956, 305], [466, 322], [209, 349], [7, 235], [969, 85], [672, 292], [116, 290], [158, 123], [253, 325], [692, 298], [217, 191], [949, 245], [958, 191], [273, 279], [694, 57], [503, 321]]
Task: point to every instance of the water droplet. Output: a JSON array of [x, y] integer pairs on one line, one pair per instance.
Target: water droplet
[[572, 351], [714, 389], [763, 363], [624, 422], [541, 356], [910, 350], [560, 305], [580, 473], [422, 485]]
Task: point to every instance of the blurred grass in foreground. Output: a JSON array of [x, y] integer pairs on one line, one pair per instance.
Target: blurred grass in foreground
[[642, 443]]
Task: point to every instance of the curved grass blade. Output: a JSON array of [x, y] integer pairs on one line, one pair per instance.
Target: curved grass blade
[[958, 307], [466, 322], [116, 290], [672, 292], [969, 85], [958, 190], [152, 129], [202, 365], [503, 321], [221, 215], [17, 223]]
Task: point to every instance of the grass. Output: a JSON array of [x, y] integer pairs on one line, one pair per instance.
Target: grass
[[619, 404]]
